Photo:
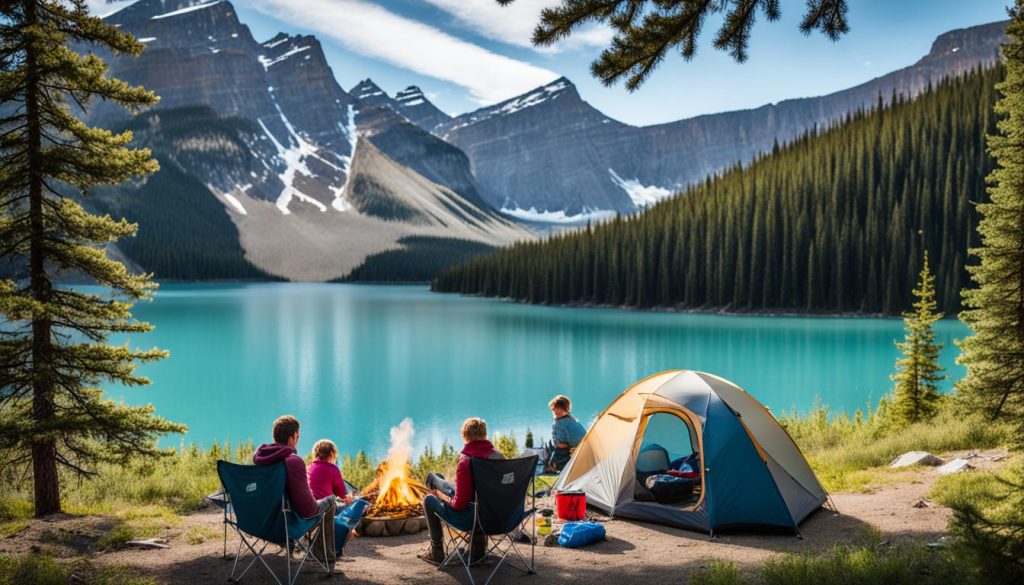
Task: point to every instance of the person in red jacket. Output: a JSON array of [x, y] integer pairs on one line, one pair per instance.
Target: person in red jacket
[[286, 437], [454, 503]]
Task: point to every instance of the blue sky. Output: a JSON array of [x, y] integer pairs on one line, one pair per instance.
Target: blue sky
[[468, 53]]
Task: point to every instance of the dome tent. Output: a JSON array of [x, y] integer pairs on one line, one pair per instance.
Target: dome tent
[[752, 473]]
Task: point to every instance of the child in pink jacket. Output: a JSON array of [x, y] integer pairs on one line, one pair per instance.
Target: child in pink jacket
[[324, 481], [323, 473]]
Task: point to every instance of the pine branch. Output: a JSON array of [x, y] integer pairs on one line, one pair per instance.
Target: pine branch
[[645, 30]]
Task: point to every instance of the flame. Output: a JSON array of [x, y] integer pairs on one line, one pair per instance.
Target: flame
[[396, 491]]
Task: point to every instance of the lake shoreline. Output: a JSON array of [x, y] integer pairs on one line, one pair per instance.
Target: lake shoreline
[[725, 312]]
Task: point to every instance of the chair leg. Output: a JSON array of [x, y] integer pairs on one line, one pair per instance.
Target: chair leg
[[257, 556], [453, 539], [307, 549]]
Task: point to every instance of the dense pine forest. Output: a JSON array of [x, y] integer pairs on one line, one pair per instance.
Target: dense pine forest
[[836, 221]]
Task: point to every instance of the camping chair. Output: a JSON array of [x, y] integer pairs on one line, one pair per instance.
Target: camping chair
[[499, 513], [257, 509], [220, 499]]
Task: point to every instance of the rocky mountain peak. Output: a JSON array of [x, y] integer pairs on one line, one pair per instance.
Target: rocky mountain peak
[[198, 27], [976, 40], [367, 90], [410, 96], [293, 50], [560, 93]]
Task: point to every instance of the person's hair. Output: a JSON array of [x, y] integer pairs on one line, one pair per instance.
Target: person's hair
[[324, 449], [561, 401], [284, 428], [474, 429]]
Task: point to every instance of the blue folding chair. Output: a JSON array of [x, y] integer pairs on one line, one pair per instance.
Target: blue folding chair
[[257, 508]]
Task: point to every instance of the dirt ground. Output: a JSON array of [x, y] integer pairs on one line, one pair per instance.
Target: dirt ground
[[633, 550]]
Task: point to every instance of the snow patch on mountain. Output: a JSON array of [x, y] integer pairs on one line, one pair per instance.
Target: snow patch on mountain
[[235, 203], [292, 156], [267, 63], [186, 10], [559, 216], [352, 133], [273, 43], [641, 195]]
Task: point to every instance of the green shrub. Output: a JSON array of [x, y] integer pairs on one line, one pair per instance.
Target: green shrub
[[506, 444], [358, 470], [443, 462]]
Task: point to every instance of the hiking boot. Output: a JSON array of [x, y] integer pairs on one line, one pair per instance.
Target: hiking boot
[[433, 555]]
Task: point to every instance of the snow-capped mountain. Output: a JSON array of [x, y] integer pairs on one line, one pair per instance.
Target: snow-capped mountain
[[548, 154], [315, 178], [311, 176]]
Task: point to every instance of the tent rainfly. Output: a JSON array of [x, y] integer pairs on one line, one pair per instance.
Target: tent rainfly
[[751, 473]]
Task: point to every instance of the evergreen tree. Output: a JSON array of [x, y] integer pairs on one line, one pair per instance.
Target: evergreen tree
[[994, 354], [990, 526], [53, 354], [918, 372], [647, 30]]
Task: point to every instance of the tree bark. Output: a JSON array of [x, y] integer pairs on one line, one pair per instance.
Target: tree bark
[[44, 445]]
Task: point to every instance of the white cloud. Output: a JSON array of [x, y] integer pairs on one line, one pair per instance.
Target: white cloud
[[105, 8], [514, 24], [373, 31]]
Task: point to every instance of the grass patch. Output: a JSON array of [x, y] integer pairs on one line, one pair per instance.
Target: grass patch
[[11, 527], [851, 453], [718, 573], [117, 537], [139, 522], [42, 570], [898, 565], [178, 483], [872, 562], [15, 516], [201, 534]]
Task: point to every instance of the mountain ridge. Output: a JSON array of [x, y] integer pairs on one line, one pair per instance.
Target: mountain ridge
[[289, 171]]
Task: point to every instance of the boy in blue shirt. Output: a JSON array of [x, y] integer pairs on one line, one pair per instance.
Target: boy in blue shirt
[[566, 434]]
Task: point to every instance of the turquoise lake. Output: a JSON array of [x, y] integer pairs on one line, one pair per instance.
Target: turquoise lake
[[351, 361]]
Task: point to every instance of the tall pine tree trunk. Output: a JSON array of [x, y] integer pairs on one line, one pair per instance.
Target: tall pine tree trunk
[[44, 446]]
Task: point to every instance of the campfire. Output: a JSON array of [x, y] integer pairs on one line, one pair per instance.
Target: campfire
[[394, 496]]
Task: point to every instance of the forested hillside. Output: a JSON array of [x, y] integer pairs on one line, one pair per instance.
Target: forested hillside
[[419, 259], [836, 221]]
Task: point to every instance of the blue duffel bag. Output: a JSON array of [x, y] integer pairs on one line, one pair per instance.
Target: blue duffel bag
[[577, 534]]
